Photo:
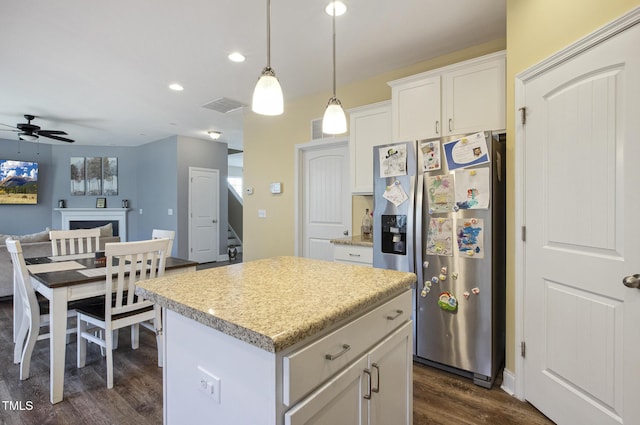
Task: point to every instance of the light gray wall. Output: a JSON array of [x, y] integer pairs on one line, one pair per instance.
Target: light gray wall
[[202, 154], [127, 180], [158, 183], [25, 219], [153, 177]]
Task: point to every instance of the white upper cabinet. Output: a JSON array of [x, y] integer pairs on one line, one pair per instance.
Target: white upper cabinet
[[370, 125], [461, 98], [416, 109]]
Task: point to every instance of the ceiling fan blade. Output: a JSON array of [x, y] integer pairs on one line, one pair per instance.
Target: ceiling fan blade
[[46, 133], [7, 125], [51, 136], [8, 129]]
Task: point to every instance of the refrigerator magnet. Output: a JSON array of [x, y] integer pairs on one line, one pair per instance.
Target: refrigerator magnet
[[447, 302]]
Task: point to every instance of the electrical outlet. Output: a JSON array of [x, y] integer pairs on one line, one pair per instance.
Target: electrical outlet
[[209, 384]]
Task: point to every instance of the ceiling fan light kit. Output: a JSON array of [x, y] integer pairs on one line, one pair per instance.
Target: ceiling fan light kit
[[267, 96], [334, 120]]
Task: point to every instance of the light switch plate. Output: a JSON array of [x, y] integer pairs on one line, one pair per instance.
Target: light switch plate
[[276, 188]]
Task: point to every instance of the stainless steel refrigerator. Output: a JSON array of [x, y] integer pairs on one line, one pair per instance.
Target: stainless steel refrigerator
[[439, 211]]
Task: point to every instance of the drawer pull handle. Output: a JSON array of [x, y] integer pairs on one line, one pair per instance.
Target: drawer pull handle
[[395, 316], [345, 348], [368, 396], [354, 255], [376, 389]]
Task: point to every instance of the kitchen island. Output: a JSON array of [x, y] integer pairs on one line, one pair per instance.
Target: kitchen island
[[286, 340]]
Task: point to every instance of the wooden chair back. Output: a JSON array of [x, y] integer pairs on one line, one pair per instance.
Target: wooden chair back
[[70, 242], [135, 262], [29, 307], [165, 234]]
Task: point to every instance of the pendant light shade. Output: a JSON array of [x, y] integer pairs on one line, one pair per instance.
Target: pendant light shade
[[334, 120], [267, 96]]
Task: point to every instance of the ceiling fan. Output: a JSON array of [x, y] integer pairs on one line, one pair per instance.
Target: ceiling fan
[[31, 132]]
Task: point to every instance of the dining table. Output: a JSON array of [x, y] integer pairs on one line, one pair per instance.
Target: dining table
[[68, 278]]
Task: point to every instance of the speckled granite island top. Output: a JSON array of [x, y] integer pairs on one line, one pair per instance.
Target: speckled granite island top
[[274, 303]]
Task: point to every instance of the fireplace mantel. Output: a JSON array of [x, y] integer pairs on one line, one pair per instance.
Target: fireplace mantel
[[88, 214]]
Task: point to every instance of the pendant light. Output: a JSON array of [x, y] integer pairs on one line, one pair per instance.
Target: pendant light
[[334, 120], [267, 96]]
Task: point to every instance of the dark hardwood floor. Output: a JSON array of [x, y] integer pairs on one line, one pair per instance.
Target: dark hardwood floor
[[440, 398]]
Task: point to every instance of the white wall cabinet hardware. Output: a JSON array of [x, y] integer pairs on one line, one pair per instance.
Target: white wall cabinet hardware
[[353, 254], [370, 125], [461, 98]]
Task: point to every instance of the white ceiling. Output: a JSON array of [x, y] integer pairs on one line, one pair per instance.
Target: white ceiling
[[99, 70]]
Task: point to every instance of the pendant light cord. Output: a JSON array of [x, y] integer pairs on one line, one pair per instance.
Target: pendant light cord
[[334, 49], [268, 34]]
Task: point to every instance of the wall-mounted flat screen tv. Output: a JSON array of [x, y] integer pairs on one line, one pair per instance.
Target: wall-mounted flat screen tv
[[18, 182]]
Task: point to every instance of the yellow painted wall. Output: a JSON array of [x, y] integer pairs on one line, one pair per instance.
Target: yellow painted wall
[[269, 153], [536, 29]]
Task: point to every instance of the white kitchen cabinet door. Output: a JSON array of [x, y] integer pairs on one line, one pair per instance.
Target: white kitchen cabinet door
[[391, 369], [370, 126], [416, 109], [474, 98], [339, 401]]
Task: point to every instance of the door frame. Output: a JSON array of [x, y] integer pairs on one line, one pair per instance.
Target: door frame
[[215, 171], [298, 170], [513, 383]]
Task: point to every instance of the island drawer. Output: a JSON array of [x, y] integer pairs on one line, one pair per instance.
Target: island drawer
[[308, 367], [353, 254]]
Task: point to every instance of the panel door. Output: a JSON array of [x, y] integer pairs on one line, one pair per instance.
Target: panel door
[[326, 198], [474, 98], [582, 216], [416, 110], [339, 401], [204, 206], [392, 379]]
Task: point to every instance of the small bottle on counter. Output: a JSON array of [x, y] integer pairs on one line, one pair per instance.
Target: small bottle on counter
[[366, 227]]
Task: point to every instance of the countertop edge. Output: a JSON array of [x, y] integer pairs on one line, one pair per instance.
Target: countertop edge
[[284, 340]]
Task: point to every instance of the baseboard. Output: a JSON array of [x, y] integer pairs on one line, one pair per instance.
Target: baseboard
[[223, 257], [508, 382]]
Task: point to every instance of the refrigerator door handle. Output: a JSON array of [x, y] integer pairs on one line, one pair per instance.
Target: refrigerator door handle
[[417, 225]]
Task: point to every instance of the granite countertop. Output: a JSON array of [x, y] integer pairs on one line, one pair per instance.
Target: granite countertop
[[276, 302], [357, 240]]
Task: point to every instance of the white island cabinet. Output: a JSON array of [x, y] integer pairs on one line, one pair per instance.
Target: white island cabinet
[[286, 340]]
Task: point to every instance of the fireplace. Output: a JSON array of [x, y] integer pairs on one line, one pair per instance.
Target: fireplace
[[90, 224], [84, 218]]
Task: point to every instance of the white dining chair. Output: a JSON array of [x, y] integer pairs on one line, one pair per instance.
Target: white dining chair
[[34, 312], [70, 242], [168, 234], [127, 264]]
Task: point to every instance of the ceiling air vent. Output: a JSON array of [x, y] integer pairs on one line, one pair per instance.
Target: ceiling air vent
[[224, 105]]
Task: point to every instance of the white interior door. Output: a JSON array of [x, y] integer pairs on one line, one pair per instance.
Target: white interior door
[[582, 215], [204, 213], [325, 198]]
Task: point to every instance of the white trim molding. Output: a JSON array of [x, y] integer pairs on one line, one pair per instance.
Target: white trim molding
[[96, 214]]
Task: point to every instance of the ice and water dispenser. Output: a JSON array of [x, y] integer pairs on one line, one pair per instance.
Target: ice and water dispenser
[[394, 234]]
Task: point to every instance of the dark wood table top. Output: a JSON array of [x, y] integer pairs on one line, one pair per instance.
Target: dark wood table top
[[74, 277]]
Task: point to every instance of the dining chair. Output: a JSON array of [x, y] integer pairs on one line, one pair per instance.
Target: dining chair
[[34, 311], [168, 234], [127, 264], [70, 242]]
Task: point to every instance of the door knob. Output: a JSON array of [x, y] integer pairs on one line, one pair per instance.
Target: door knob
[[346, 233], [214, 221], [632, 281]]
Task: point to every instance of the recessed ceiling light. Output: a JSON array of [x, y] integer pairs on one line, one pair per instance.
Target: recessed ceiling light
[[176, 87], [215, 135], [236, 57], [340, 8]]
